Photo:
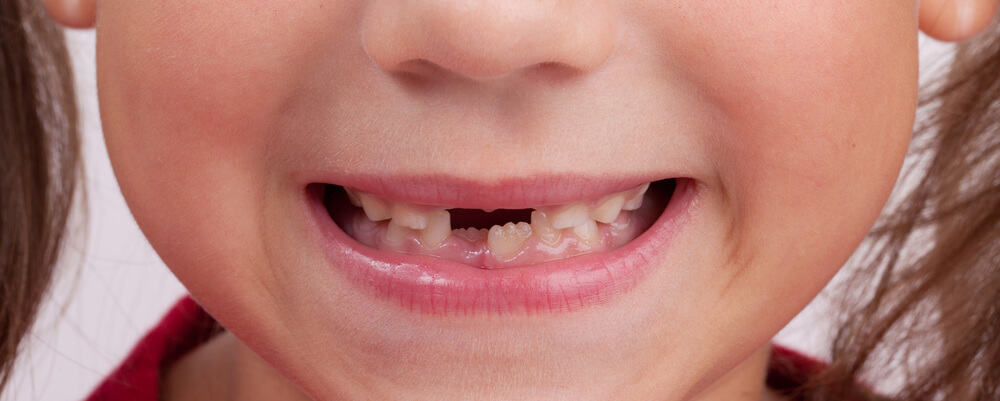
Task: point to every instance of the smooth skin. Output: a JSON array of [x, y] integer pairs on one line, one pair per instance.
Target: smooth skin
[[793, 116]]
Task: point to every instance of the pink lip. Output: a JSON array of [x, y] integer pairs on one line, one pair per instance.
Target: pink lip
[[466, 193], [429, 285]]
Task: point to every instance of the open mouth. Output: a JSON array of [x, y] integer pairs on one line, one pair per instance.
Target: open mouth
[[501, 237], [432, 257]]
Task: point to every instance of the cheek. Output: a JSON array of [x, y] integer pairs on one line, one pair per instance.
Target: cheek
[[180, 81], [190, 92], [820, 128], [815, 104]]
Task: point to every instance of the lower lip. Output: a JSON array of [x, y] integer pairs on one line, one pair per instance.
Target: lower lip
[[429, 285]]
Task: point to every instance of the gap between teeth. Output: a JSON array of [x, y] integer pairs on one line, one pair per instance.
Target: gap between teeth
[[432, 225]]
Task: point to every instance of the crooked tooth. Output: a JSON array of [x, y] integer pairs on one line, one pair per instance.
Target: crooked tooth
[[542, 227], [437, 230], [408, 216], [635, 201], [353, 197], [375, 208], [505, 242], [570, 215], [608, 210], [587, 232]]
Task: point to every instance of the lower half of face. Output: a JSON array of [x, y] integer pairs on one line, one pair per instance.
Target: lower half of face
[[333, 181]]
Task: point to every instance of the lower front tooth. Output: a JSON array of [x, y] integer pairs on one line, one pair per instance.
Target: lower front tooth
[[587, 232], [542, 228], [471, 234], [396, 235], [437, 230], [506, 242]]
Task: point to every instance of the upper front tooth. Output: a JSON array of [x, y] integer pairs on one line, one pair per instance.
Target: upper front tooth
[[505, 242], [635, 201], [408, 216], [570, 216], [353, 197], [375, 208], [437, 230], [608, 210]]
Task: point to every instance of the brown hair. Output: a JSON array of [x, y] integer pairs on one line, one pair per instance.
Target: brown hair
[[923, 305], [39, 163], [926, 302]]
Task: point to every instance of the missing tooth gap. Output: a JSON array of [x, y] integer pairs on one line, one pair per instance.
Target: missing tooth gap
[[478, 218]]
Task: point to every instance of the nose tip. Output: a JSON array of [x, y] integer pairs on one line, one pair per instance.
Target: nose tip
[[484, 39]]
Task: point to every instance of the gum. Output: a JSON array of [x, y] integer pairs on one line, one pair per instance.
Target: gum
[[628, 226]]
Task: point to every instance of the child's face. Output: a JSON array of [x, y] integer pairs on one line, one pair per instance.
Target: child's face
[[791, 116]]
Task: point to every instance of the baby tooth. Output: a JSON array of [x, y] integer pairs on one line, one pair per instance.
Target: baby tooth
[[472, 234], [608, 210], [569, 216], [407, 216], [375, 209], [587, 232], [353, 197], [542, 227], [505, 242], [635, 201], [396, 234], [437, 230]]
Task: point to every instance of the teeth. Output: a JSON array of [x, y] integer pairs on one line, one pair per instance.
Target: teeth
[[437, 230], [542, 227], [608, 210], [408, 216], [375, 208], [505, 242], [471, 234], [635, 201], [570, 216], [432, 226], [353, 197], [397, 235], [587, 232]]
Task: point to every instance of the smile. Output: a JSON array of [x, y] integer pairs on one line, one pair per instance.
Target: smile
[[441, 255]]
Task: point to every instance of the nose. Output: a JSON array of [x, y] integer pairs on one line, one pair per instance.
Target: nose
[[484, 39]]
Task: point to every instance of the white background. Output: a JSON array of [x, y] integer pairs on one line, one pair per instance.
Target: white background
[[111, 287]]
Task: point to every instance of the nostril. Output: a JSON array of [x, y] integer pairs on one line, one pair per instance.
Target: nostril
[[484, 40], [419, 66], [421, 72]]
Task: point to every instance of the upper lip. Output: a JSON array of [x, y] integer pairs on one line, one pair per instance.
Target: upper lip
[[462, 192]]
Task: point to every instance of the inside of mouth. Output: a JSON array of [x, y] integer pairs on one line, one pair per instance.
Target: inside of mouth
[[479, 218], [498, 238]]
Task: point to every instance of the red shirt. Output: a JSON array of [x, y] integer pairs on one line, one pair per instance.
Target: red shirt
[[187, 325]]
